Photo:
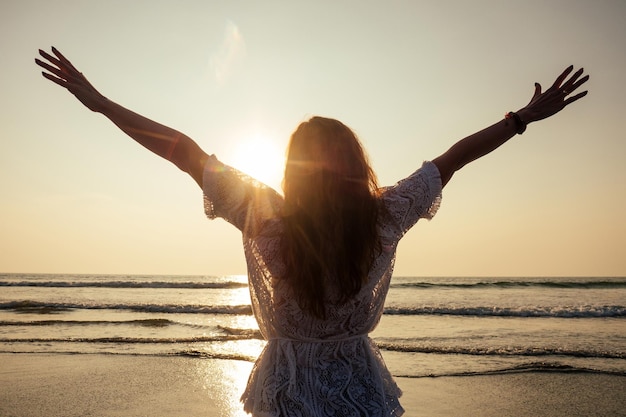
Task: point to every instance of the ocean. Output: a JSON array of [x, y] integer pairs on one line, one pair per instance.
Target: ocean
[[431, 326]]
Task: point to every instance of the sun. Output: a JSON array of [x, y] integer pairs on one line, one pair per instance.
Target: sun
[[258, 156]]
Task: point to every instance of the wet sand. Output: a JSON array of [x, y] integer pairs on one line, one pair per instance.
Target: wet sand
[[119, 385]]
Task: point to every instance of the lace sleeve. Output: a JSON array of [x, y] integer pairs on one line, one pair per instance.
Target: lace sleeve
[[237, 198], [416, 197]]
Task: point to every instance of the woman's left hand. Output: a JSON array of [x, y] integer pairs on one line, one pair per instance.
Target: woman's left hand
[[554, 99]]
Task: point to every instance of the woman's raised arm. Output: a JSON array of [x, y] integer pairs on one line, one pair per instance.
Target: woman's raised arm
[[162, 140], [541, 106]]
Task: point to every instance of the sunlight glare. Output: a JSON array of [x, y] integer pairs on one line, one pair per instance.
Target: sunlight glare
[[230, 53], [260, 157]]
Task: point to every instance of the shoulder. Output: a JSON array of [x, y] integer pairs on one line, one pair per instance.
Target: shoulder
[[237, 197], [412, 198]]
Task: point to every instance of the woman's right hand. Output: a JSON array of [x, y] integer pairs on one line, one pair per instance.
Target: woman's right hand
[[67, 76]]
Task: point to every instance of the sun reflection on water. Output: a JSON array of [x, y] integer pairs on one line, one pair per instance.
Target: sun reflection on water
[[224, 381]]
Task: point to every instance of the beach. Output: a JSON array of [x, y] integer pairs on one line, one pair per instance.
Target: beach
[[135, 345], [140, 385]]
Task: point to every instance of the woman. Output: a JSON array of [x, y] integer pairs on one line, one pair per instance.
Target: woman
[[320, 259]]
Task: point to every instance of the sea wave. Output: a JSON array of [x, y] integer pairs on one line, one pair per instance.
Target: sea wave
[[500, 350], [512, 283], [138, 322], [530, 367], [522, 368], [214, 355], [495, 311], [126, 284], [46, 280], [184, 353], [615, 311], [129, 340], [28, 306], [250, 334]]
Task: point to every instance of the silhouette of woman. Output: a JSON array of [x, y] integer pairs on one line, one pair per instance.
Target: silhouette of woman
[[320, 259]]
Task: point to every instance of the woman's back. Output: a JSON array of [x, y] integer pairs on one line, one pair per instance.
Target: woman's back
[[315, 365]]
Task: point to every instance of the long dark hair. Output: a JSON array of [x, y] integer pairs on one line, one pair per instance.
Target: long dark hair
[[330, 213]]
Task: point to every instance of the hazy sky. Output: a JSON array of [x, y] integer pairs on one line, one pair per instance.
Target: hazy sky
[[410, 77]]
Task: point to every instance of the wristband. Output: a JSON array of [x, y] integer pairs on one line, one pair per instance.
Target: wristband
[[520, 126]]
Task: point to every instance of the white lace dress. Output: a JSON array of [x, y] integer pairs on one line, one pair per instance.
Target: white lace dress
[[312, 367]]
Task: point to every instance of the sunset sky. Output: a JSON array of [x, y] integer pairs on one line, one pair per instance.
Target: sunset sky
[[410, 77]]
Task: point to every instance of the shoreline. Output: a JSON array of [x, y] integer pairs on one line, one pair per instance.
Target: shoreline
[[126, 385]]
